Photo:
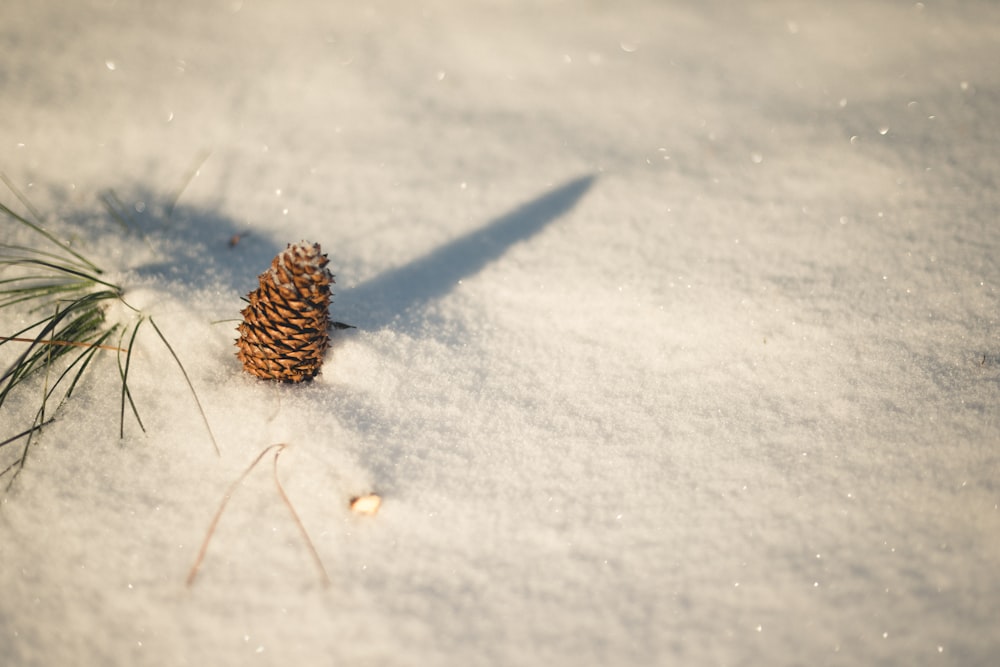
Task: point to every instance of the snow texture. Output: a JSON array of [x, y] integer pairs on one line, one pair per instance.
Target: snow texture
[[677, 332]]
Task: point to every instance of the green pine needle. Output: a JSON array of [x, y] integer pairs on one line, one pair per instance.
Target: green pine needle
[[67, 300], [126, 394]]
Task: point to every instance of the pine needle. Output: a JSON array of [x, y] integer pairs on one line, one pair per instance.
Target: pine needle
[[15, 438], [117, 210], [48, 391], [204, 417], [324, 577], [61, 245], [68, 297], [193, 573], [126, 393], [67, 343], [20, 197], [186, 181]]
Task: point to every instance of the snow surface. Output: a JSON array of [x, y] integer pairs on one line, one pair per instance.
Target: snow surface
[[677, 332]]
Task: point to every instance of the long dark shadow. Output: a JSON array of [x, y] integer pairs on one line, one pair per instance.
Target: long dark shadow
[[375, 303]]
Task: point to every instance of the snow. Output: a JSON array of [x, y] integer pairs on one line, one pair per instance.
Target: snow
[[677, 333]]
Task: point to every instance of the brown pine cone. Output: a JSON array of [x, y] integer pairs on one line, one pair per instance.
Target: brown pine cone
[[285, 329]]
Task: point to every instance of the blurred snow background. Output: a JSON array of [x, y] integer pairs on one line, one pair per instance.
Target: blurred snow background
[[710, 375]]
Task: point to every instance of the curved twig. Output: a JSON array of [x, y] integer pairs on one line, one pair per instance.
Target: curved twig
[[324, 577], [279, 447]]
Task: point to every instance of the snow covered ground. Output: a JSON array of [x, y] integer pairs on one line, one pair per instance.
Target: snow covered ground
[[677, 332]]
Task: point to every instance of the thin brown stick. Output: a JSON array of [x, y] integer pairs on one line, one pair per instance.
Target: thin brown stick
[[64, 343], [222, 507], [324, 577]]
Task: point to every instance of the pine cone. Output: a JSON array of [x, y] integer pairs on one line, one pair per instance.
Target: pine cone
[[285, 329]]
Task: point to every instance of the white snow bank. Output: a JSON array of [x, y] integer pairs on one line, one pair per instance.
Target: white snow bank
[[724, 392]]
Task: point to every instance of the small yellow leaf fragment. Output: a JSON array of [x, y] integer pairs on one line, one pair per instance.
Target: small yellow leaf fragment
[[367, 504]]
